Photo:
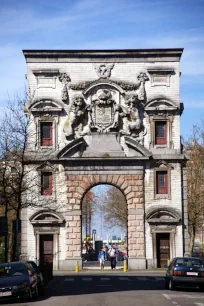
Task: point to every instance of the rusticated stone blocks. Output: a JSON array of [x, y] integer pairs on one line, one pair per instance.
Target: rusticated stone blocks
[[132, 188]]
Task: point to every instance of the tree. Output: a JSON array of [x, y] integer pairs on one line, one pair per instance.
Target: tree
[[88, 209], [195, 177], [19, 180], [113, 207]]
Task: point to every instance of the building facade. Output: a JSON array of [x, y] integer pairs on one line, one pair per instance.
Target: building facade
[[104, 117]]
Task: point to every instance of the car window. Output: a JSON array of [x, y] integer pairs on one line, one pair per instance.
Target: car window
[[188, 262], [12, 270]]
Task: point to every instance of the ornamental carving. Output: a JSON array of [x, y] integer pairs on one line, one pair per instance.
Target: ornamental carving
[[64, 79], [103, 70], [123, 84], [75, 118], [108, 109], [104, 112], [142, 78], [133, 112]]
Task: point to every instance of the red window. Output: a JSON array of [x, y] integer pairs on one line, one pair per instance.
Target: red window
[[160, 132], [162, 182], [46, 134], [46, 183]]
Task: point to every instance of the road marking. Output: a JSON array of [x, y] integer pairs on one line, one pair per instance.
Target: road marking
[[103, 285], [166, 296], [142, 278], [159, 278], [170, 296], [175, 303], [199, 304], [70, 279], [87, 279], [104, 278], [124, 278]]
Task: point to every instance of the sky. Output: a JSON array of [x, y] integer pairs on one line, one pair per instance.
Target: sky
[[107, 24]]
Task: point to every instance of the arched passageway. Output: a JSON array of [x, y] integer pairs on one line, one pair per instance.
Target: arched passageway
[[132, 188], [104, 224]]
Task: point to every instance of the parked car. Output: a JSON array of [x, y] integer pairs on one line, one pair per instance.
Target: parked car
[[185, 271], [17, 279], [41, 283]]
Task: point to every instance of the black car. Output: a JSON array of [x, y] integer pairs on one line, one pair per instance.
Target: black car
[[17, 279], [185, 271], [41, 282]]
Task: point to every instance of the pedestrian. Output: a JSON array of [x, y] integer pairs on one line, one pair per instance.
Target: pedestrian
[[102, 258], [112, 253]]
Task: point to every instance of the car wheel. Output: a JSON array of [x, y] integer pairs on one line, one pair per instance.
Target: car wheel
[[41, 291], [166, 284], [171, 285], [36, 291], [201, 288], [30, 294]]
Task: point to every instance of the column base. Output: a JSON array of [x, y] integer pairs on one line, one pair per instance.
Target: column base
[[69, 264], [137, 263]]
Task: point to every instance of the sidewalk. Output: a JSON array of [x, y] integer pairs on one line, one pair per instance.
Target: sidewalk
[[153, 272]]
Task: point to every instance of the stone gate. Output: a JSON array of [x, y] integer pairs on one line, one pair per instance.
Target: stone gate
[[104, 117]]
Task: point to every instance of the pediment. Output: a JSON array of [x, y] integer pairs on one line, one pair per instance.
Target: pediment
[[47, 166], [162, 164], [46, 105], [163, 215], [46, 217], [136, 148], [73, 149], [160, 104]]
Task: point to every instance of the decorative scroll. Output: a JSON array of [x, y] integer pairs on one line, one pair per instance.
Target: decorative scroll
[[64, 79]]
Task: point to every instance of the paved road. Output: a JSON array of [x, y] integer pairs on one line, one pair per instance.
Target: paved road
[[118, 289]]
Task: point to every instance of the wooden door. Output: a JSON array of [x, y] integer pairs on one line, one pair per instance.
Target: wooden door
[[46, 249], [163, 249]]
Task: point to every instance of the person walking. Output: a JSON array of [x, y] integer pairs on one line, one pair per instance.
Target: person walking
[[102, 258], [112, 253]]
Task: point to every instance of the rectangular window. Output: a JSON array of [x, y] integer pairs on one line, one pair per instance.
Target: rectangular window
[[162, 182], [46, 183], [46, 133], [160, 132]]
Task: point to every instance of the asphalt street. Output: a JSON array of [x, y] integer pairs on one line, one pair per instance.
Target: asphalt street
[[107, 289]]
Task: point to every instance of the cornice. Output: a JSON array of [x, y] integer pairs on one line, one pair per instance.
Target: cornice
[[124, 55]]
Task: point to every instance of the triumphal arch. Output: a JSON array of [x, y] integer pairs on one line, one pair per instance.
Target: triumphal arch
[[104, 117]]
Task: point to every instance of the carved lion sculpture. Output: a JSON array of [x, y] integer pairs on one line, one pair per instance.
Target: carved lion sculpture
[[75, 117]]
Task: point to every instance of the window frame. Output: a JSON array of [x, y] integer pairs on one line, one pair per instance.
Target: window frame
[[167, 195], [158, 139], [54, 120], [46, 191], [48, 141], [158, 118]]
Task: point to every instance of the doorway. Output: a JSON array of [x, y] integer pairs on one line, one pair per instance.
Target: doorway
[[46, 256], [163, 249], [46, 249]]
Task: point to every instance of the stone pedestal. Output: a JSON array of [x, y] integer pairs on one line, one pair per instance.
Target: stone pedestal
[[103, 145], [69, 264], [136, 263]]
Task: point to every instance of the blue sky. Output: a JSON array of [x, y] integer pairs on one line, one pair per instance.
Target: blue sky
[[96, 24]]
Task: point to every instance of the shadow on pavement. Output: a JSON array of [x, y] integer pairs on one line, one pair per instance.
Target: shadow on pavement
[[73, 284]]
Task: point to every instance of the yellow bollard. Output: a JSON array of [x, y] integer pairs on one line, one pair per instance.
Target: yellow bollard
[[125, 265], [168, 262], [77, 266]]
